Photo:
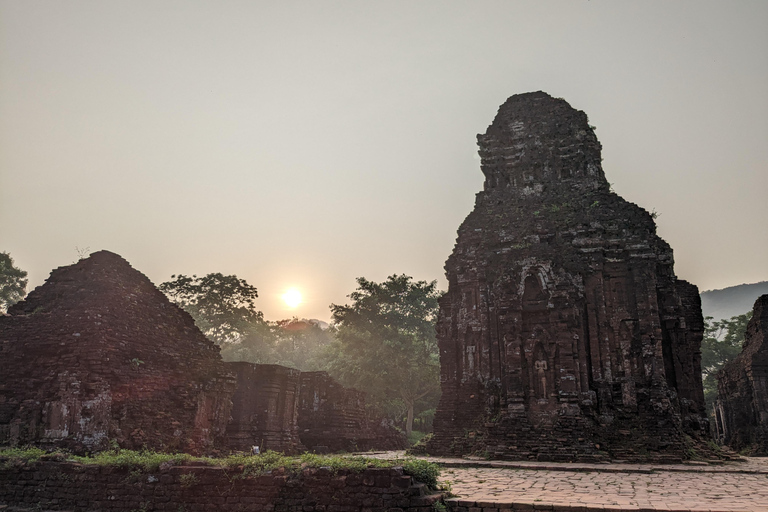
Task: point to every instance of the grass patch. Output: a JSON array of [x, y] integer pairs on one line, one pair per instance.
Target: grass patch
[[130, 459], [337, 462], [15, 456], [140, 462], [261, 464]]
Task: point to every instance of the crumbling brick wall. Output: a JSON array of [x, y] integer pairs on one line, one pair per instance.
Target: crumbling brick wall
[[741, 411], [565, 333], [264, 408], [333, 418], [97, 353]]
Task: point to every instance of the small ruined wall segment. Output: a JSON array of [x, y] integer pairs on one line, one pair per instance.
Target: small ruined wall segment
[[565, 334], [741, 411], [97, 353], [264, 408], [333, 418], [61, 486]]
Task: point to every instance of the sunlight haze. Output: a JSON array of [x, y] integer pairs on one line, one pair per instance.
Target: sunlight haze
[[317, 142]]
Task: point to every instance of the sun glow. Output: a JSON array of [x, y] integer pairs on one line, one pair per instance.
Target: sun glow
[[292, 297]]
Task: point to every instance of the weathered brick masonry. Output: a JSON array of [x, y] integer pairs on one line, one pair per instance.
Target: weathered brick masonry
[[564, 333], [265, 408], [333, 418], [98, 353], [741, 412], [62, 486]]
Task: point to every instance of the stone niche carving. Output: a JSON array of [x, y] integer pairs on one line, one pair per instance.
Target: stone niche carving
[[564, 334], [741, 411], [97, 353]]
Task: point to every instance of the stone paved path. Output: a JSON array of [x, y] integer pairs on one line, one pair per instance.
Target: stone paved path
[[615, 487]]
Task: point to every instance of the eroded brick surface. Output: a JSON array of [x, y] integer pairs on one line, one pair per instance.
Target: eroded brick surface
[[565, 334], [98, 353], [264, 408], [333, 418], [741, 413]]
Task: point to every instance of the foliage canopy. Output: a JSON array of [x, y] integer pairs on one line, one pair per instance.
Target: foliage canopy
[[723, 340], [222, 306], [386, 342], [13, 282]]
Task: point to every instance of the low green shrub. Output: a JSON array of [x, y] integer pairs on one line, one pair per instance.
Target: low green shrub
[[143, 460], [422, 470], [147, 461], [419, 448]]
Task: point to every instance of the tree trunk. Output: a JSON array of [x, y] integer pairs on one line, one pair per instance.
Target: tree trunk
[[409, 421]]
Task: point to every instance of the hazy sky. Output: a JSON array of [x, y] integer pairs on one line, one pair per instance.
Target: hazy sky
[[308, 143]]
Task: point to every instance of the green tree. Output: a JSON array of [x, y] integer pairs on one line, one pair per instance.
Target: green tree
[[299, 343], [722, 342], [256, 344], [222, 306], [13, 285], [296, 343], [386, 343]]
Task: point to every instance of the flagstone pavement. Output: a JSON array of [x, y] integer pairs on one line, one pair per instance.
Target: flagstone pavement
[[493, 486]]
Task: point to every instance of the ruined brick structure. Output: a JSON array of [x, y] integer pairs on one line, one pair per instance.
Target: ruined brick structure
[[741, 411], [96, 354], [564, 334], [333, 418], [264, 408]]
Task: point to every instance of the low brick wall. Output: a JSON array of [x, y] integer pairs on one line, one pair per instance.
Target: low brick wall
[[76, 487]]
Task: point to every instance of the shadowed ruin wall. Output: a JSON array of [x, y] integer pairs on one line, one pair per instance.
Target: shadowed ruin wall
[[264, 408], [741, 412], [74, 487], [333, 418], [564, 333], [98, 353]]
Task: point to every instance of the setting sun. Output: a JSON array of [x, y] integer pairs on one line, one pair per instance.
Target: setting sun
[[292, 297]]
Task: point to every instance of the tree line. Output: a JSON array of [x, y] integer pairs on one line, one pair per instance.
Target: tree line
[[383, 342]]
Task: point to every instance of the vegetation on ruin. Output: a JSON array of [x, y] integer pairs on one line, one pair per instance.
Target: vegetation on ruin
[[722, 342], [10, 456], [251, 465], [13, 282]]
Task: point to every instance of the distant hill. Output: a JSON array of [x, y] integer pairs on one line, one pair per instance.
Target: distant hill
[[731, 301]]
